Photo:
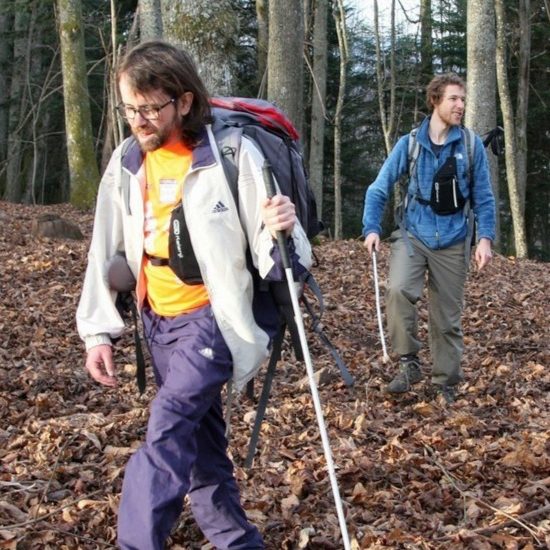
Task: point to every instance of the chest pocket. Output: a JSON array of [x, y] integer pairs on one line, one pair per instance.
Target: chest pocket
[[446, 197]]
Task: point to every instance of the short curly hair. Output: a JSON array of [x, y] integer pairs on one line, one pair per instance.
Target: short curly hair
[[436, 88]]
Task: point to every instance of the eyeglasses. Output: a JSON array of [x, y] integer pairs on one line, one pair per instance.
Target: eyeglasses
[[148, 112]]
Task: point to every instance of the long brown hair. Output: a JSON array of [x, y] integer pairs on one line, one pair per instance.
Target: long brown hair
[[157, 65]]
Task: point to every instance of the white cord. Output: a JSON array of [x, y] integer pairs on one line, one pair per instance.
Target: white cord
[[385, 357]]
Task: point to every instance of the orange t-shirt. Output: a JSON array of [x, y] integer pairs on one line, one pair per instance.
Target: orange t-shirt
[[165, 170]]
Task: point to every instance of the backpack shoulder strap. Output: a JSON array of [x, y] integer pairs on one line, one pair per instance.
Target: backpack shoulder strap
[[124, 176], [228, 139], [413, 152], [469, 139]]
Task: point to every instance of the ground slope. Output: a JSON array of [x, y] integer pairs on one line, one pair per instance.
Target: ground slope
[[412, 473]]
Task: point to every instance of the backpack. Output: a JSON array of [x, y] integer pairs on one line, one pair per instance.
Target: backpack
[[495, 139], [277, 139]]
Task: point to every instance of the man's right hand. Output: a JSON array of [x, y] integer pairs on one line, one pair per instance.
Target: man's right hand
[[372, 241], [99, 363]]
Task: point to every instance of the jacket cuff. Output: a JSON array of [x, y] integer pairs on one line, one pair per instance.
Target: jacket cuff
[[97, 340], [489, 236]]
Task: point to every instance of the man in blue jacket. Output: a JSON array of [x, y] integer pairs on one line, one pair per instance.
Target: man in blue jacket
[[434, 234]]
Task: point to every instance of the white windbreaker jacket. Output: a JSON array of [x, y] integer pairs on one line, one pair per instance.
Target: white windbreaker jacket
[[219, 231]]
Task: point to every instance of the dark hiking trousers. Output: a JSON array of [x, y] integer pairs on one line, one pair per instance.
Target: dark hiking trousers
[[185, 451]]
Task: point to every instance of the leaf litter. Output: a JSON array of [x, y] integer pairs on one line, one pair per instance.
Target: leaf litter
[[412, 473]]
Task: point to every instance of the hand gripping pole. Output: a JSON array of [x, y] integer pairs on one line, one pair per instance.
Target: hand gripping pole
[[270, 188]]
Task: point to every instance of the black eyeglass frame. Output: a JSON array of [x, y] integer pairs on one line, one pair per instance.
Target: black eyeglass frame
[[154, 114]]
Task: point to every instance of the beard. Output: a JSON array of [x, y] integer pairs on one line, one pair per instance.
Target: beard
[[151, 138], [453, 118]]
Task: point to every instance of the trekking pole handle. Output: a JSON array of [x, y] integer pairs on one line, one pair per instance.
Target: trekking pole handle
[[271, 192]]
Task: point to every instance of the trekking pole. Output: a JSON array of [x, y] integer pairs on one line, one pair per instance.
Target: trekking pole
[[281, 240], [385, 357]]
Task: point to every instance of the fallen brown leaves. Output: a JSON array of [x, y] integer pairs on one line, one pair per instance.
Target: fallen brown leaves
[[412, 474]]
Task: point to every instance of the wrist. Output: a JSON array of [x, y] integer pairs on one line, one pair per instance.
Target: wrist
[[97, 340]]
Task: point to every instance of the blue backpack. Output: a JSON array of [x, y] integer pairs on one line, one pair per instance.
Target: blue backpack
[[277, 139]]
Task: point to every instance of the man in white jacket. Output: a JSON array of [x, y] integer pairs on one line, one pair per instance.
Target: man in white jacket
[[200, 332]]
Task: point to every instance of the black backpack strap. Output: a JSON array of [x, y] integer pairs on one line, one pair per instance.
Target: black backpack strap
[[125, 303], [495, 138], [140, 359], [318, 329], [264, 396]]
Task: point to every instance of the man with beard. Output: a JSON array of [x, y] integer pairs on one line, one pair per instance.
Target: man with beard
[[200, 331], [445, 188]]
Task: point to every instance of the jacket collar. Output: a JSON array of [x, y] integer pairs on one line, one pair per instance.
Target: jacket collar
[[132, 159], [424, 138], [203, 155]]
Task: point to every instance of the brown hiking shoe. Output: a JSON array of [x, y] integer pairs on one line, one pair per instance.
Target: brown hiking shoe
[[408, 375]]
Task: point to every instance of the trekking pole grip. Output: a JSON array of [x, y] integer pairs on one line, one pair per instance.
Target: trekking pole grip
[[271, 192]]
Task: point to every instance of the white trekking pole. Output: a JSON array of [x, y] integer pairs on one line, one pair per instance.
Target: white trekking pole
[[281, 240], [385, 357]]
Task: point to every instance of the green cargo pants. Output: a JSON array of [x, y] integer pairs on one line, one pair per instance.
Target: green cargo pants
[[446, 277]]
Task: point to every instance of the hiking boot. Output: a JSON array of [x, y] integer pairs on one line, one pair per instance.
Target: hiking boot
[[408, 375], [448, 393]]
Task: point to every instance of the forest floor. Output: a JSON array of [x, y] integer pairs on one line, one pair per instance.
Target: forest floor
[[412, 472]]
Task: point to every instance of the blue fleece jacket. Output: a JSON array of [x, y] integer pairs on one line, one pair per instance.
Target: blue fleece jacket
[[434, 230]]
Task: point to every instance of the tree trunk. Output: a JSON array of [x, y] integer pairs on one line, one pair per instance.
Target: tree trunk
[[114, 126], [285, 75], [150, 20], [6, 42], [340, 20], [481, 113], [83, 169], [426, 49], [208, 32], [23, 27], [33, 156], [318, 113], [262, 45], [511, 140], [524, 12], [387, 119]]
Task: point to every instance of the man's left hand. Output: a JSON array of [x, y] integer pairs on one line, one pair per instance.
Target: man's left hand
[[279, 214], [483, 254]]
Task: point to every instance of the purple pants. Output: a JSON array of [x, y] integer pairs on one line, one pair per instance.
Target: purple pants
[[185, 451]]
